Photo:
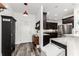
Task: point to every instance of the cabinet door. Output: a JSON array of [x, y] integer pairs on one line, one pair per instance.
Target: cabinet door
[[50, 25], [6, 38], [45, 40]]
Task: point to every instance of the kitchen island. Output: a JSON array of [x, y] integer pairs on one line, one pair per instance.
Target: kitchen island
[[72, 43]]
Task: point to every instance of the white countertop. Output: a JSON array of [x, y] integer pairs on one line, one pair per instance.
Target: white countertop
[[62, 40], [72, 43]]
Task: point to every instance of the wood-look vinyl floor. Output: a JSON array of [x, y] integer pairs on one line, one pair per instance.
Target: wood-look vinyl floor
[[27, 49]]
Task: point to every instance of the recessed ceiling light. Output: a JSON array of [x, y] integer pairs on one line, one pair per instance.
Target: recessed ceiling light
[[65, 9]]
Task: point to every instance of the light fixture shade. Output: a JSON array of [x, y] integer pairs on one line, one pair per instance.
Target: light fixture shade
[[25, 13], [2, 7]]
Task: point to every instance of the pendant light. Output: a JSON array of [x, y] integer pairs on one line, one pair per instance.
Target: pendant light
[[25, 12], [2, 7]]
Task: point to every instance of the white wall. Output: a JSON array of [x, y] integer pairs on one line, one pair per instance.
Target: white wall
[[25, 28], [76, 20]]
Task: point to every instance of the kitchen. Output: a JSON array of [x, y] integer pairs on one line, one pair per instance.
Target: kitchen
[[60, 32]]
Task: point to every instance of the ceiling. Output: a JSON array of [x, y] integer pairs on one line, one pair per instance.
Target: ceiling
[[54, 11], [32, 8], [57, 11]]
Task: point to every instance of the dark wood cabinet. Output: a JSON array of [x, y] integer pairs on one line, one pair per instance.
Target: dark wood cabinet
[[51, 25], [46, 40], [8, 35]]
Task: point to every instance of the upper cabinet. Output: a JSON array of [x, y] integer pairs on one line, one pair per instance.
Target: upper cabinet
[[48, 25], [51, 25]]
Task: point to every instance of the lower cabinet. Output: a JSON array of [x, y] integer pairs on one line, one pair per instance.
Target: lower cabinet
[[45, 40]]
